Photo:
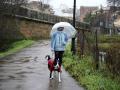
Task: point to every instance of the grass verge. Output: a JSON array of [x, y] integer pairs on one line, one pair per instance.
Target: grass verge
[[16, 46], [83, 71]]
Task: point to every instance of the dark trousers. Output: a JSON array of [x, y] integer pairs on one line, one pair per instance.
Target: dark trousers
[[58, 56]]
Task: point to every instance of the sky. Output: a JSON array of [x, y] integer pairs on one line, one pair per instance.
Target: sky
[[69, 3], [57, 5]]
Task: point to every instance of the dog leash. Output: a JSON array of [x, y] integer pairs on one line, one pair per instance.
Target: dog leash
[[52, 55]]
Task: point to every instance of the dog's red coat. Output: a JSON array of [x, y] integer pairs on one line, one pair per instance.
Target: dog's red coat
[[51, 64]]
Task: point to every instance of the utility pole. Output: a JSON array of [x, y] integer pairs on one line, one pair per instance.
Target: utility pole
[[83, 43], [114, 5], [73, 39], [97, 50], [113, 16], [96, 47]]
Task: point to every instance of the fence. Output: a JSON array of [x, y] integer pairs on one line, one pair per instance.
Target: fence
[[104, 49]]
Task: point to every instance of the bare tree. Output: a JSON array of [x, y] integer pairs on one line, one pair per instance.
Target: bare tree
[[11, 5], [113, 2]]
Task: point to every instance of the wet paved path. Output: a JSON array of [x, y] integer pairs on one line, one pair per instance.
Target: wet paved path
[[27, 70]]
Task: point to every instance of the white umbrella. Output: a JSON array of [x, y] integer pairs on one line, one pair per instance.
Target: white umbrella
[[68, 29]]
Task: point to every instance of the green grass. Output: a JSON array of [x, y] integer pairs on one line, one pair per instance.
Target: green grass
[[82, 69], [104, 46], [16, 46], [109, 39], [106, 42]]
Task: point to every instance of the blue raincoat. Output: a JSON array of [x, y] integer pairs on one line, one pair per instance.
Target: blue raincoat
[[58, 41]]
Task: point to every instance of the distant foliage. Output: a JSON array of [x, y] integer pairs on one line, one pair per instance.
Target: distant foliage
[[89, 17]]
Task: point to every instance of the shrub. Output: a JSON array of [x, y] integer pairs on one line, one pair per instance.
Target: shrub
[[113, 58]]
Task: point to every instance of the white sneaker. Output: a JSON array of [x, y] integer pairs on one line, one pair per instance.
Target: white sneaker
[[51, 78], [59, 80]]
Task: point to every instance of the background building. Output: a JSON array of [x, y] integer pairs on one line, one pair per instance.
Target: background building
[[84, 10]]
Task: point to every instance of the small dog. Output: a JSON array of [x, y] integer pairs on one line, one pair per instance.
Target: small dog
[[53, 67]]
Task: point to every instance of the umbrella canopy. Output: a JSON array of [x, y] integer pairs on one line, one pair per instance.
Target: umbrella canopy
[[68, 29]]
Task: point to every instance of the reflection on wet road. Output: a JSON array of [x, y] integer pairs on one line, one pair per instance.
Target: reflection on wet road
[[27, 70]]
